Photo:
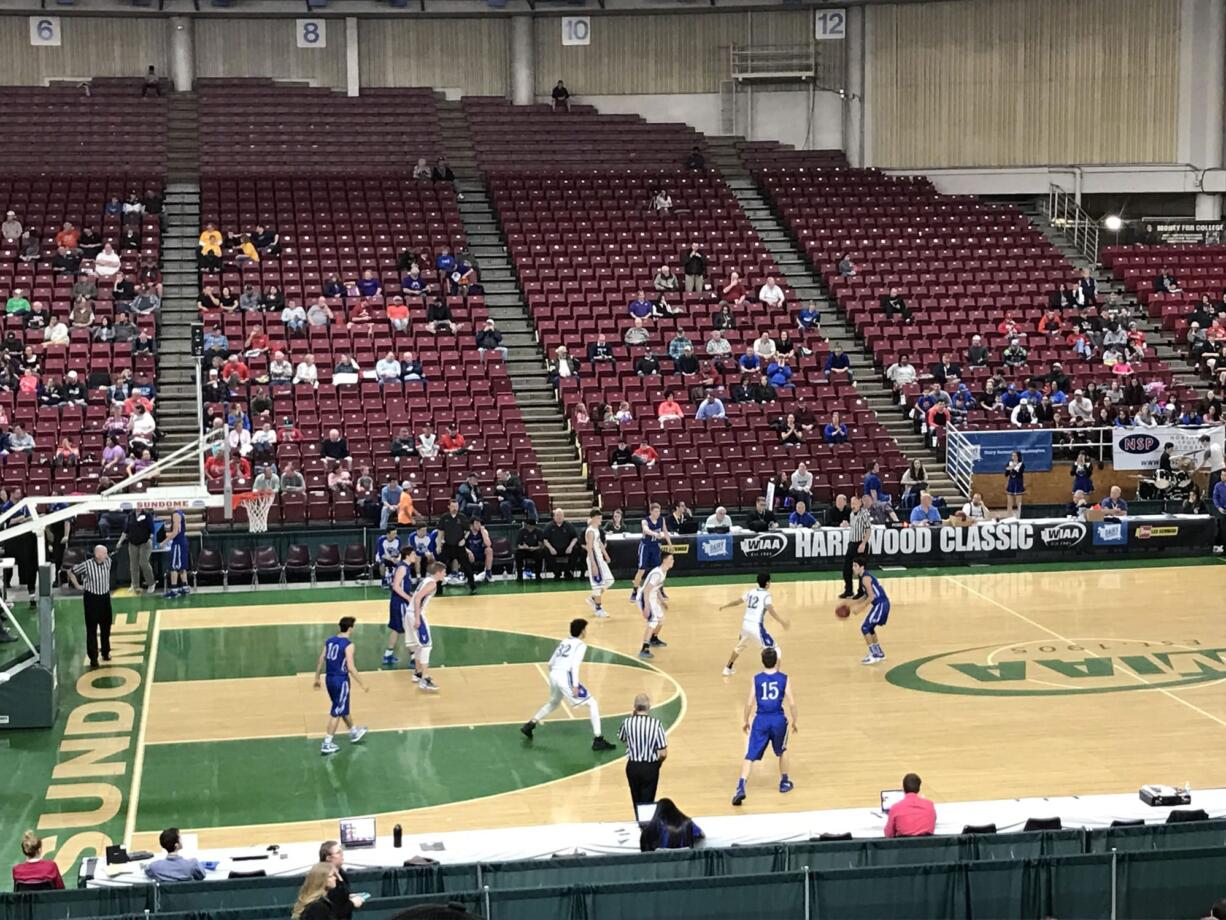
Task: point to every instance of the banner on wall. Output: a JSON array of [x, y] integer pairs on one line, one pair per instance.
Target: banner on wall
[[996, 446], [1168, 230], [1140, 448]]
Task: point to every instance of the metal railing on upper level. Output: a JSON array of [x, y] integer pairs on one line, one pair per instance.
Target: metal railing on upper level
[[774, 62], [1078, 227]]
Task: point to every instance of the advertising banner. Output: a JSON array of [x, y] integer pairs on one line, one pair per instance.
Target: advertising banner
[[1140, 448], [994, 448]]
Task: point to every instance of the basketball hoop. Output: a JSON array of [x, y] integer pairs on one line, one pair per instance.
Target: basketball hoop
[[257, 505]]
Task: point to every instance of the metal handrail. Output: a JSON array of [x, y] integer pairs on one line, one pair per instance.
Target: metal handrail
[[773, 60], [1078, 227]]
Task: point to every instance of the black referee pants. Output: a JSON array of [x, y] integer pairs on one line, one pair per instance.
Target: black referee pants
[[643, 777], [98, 621], [849, 557]]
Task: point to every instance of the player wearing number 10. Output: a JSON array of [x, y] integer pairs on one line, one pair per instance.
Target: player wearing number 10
[[771, 690], [337, 660]]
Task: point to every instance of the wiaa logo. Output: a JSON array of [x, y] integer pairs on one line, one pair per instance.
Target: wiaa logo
[[763, 545], [1058, 536], [1138, 444]]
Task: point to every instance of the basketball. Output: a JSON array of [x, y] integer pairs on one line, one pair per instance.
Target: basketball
[[842, 611]]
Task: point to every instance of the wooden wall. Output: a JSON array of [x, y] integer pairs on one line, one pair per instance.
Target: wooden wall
[[91, 46], [268, 48], [1021, 82], [472, 55]]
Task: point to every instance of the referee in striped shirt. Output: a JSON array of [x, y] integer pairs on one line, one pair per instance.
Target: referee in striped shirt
[[857, 539], [93, 578], [646, 748]]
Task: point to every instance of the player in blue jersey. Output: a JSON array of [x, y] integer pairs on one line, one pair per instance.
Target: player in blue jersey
[[480, 549], [771, 691], [878, 609], [399, 603], [180, 556], [337, 667], [424, 542], [387, 553], [654, 529]]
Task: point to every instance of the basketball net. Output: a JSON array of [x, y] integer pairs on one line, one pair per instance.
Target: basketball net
[[257, 505]]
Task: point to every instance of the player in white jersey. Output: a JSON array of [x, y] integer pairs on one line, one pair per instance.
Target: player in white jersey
[[653, 604], [419, 638], [758, 605], [564, 685], [599, 575]]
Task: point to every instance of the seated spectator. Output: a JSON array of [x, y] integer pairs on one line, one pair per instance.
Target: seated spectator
[[468, 497], [453, 443], [1015, 354], [256, 345], [839, 514], [809, 318], [403, 444], [914, 481], [306, 371], [621, 455], [106, 263], [174, 867], [266, 241], [489, 338], [837, 362], [717, 345], [637, 334], [945, 370], [893, 303], [913, 815], [66, 261], [686, 364], [294, 317], [427, 443], [146, 300], [360, 317], [749, 363], [902, 372], [250, 298], [623, 415], [31, 245], [280, 370], [666, 281], [710, 409], [977, 355], [82, 314], [560, 540], [56, 333], [398, 315], [346, 366], [334, 449], [779, 373], [1023, 414], [320, 314], [801, 516], [761, 518], [39, 317], [791, 435], [834, 431], [669, 409], [695, 162], [20, 441], [662, 203], [11, 230], [846, 267], [800, 483], [718, 522], [129, 240], [641, 307], [764, 346], [36, 872], [647, 364], [445, 262], [1165, 282], [734, 290], [681, 519], [1114, 503], [645, 456], [411, 370], [771, 294], [975, 509], [600, 351], [439, 318], [509, 489], [369, 284], [563, 366], [925, 514], [291, 479], [67, 454], [17, 304], [387, 369], [723, 318], [267, 480]]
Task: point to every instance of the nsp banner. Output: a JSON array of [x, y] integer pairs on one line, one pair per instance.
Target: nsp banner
[[1140, 448]]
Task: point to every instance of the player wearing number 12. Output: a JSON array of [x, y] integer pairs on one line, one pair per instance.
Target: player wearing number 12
[[770, 692], [758, 605], [564, 685], [337, 667]]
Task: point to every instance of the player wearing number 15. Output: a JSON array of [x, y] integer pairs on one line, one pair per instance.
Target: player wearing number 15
[[771, 691], [337, 667]]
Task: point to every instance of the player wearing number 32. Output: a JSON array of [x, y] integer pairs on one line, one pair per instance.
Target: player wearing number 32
[[337, 660], [564, 685], [758, 605], [771, 691]]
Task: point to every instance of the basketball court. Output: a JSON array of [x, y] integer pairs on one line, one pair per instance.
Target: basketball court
[[998, 683]]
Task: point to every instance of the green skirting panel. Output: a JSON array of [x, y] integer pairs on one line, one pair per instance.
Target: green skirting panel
[[902, 892], [1172, 883]]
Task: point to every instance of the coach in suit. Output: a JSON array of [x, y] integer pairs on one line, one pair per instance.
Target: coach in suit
[[646, 748]]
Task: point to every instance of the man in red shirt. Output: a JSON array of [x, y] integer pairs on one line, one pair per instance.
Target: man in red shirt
[[913, 815]]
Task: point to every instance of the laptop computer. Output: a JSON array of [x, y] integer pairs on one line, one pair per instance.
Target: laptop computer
[[889, 797], [357, 833]]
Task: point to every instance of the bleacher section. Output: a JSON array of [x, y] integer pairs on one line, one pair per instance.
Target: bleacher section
[[963, 267], [262, 127], [1199, 270], [345, 227], [61, 131], [44, 204]]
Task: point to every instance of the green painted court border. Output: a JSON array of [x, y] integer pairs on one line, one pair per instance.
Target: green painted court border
[[323, 594]]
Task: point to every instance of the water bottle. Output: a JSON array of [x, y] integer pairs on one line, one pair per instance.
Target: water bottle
[[396, 836], [1187, 790]]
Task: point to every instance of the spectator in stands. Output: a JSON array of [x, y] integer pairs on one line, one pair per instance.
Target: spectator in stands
[[387, 369], [562, 366], [267, 480], [621, 455], [1023, 414], [637, 334], [718, 346], [403, 444], [249, 299], [11, 229], [837, 362], [113, 456], [779, 373], [791, 434], [421, 171], [439, 318], [389, 501], [710, 409], [645, 456], [641, 307], [665, 281], [914, 481], [20, 441], [1165, 282], [978, 354], [1114, 503], [256, 345], [295, 319], [763, 391], [69, 237], [56, 332], [894, 303], [66, 261], [452, 443], [35, 872], [346, 366], [734, 290], [129, 240], [31, 245], [398, 315], [600, 352], [834, 431], [925, 514], [306, 371], [764, 346], [411, 370], [427, 443], [761, 518], [106, 263], [560, 540], [209, 248], [801, 516], [17, 304], [369, 284], [266, 241], [174, 867], [511, 496], [946, 369], [560, 96], [800, 484], [771, 294], [334, 450], [847, 268], [647, 364], [291, 479], [809, 318], [687, 363], [1015, 354], [208, 299], [838, 514], [694, 267], [901, 373], [468, 497], [489, 338], [913, 815], [669, 410], [662, 203], [82, 314], [320, 314], [280, 370]]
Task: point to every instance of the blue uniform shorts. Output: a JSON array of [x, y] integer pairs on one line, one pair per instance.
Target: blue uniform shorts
[[649, 555], [878, 615], [395, 614], [767, 729], [338, 692]]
